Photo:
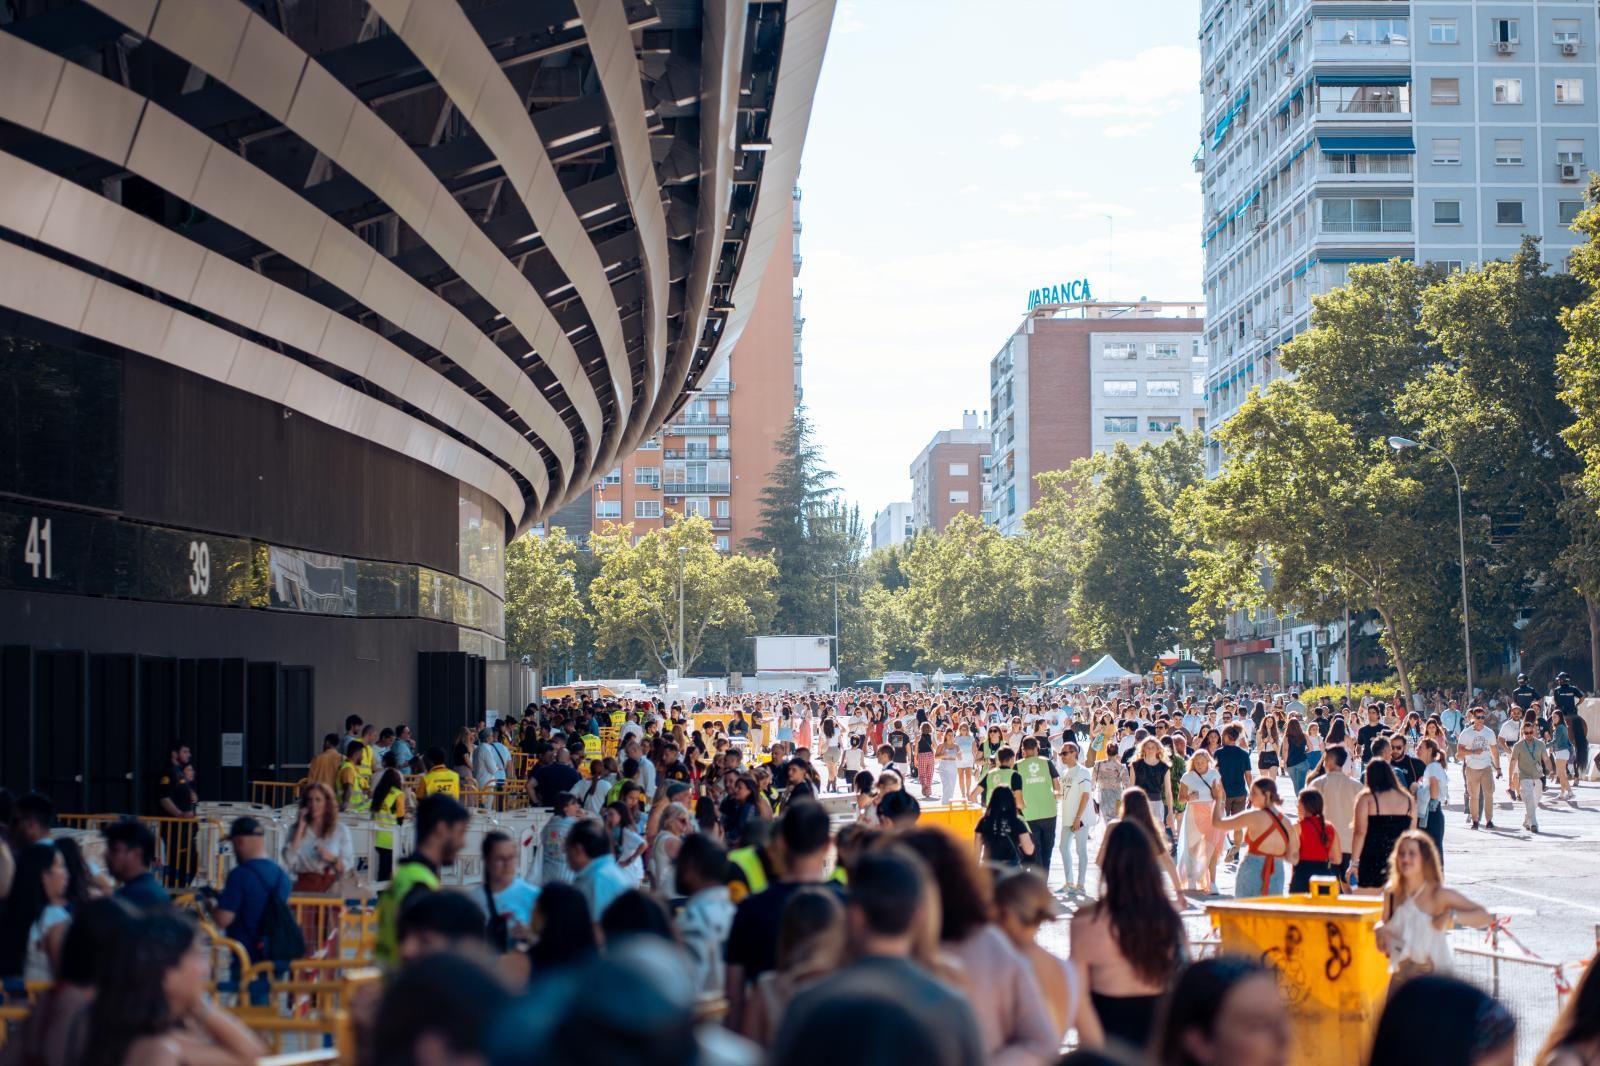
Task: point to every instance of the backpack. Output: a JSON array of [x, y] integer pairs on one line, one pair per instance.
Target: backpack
[[280, 936]]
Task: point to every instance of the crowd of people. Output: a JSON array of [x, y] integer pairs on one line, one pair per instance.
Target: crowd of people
[[756, 880]]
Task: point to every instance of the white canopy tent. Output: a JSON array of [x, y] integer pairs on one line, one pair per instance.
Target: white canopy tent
[[1104, 672]]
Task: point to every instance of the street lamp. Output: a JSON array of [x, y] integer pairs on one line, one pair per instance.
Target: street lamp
[[683, 552], [836, 618], [1400, 444]]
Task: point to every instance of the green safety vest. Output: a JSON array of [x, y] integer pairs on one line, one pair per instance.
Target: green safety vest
[[1038, 798], [999, 777], [407, 876]]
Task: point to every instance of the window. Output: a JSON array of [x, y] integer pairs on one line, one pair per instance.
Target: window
[[1162, 349], [1197, 384], [1508, 151], [651, 445], [1367, 162], [1447, 151], [1508, 212], [1121, 350], [1444, 91], [1363, 99], [1567, 211], [958, 495], [1366, 215], [1362, 30], [1569, 150], [647, 475], [722, 544], [647, 508], [1503, 31], [1447, 212], [1163, 387], [722, 508], [1442, 31], [1122, 424], [613, 478], [608, 509], [1565, 31], [1164, 423], [1569, 90], [959, 470], [1451, 266], [1119, 387], [1508, 90]]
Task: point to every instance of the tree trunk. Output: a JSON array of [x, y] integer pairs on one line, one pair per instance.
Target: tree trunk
[[1393, 640], [1593, 610], [1133, 663], [538, 680]]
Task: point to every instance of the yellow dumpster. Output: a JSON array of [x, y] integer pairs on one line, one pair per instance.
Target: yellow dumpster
[[1333, 976]]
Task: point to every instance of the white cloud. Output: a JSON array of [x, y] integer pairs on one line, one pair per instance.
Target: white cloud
[[1156, 81], [1124, 131], [847, 18], [1009, 141]]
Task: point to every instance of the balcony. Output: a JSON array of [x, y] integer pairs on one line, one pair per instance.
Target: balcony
[[715, 388], [722, 524], [695, 488], [698, 453], [688, 423]]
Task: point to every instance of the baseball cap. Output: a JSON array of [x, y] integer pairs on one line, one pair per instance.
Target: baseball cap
[[244, 826]]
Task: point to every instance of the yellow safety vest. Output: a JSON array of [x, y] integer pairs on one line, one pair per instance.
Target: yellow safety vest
[[360, 789], [388, 818], [441, 780], [748, 860]]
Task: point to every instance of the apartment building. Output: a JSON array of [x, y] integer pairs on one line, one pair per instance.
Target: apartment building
[[893, 525], [951, 474], [1337, 134], [714, 457], [1080, 377]]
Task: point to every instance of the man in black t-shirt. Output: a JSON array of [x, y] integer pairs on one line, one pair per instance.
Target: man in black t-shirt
[[1233, 766], [899, 742], [1368, 733], [1524, 694]]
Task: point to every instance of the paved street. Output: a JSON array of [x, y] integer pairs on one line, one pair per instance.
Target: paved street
[[1546, 883]]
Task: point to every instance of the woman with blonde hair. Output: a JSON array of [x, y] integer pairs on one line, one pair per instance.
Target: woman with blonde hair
[[811, 945], [1418, 909], [318, 850], [1199, 845]]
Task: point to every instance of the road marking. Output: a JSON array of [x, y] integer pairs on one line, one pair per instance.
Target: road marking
[[1548, 899]]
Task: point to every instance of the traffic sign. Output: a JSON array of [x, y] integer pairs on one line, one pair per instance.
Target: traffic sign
[[1075, 660]]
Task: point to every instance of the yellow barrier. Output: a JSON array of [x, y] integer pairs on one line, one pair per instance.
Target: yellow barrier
[[276, 794], [321, 919], [610, 740], [358, 933], [180, 859], [509, 798], [1333, 976], [12, 1017], [958, 818]]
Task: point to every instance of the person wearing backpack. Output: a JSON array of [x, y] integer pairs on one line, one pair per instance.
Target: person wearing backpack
[[253, 907]]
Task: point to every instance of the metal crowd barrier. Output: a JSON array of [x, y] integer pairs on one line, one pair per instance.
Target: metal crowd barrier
[[188, 850]]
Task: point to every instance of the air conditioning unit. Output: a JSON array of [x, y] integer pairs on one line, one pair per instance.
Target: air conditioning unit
[[1258, 218], [1263, 332], [1569, 48], [1504, 47], [1288, 68], [1568, 171]]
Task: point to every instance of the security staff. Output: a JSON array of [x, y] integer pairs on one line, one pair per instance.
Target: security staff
[[1003, 776], [1524, 695], [1041, 792], [440, 780]]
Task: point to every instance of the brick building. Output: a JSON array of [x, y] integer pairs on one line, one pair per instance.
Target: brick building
[[949, 475], [1077, 378]]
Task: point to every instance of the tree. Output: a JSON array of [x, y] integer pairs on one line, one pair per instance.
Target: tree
[[808, 533], [636, 595], [1327, 514], [1130, 580], [542, 606], [1578, 369], [968, 595]]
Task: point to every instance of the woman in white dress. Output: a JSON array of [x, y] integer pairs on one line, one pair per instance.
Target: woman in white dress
[[1198, 843], [966, 760], [1418, 910]]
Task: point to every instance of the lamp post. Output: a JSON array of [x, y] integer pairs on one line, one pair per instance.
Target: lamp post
[[836, 618], [1400, 444], [683, 552]]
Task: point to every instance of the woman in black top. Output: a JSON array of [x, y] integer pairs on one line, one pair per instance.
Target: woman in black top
[[1003, 836], [1152, 775]]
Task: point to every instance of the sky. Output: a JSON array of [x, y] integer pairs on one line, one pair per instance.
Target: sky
[[959, 155]]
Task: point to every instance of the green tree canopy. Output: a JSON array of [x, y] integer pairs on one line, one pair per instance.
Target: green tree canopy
[[542, 608]]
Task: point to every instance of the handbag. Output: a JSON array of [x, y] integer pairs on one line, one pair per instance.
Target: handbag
[[318, 882]]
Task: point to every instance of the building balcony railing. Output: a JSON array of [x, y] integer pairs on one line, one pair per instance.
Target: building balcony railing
[[695, 488], [722, 523], [698, 453], [684, 423], [716, 388]]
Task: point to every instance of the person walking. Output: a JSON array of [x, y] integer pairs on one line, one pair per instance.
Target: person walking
[[1199, 842], [1339, 792], [1384, 812], [1075, 817], [1433, 792], [1530, 761], [1418, 909], [1270, 841], [925, 759], [948, 755], [1041, 793], [1479, 748], [1561, 753]]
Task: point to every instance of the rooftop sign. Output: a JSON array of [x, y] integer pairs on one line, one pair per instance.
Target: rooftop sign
[[1066, 292]]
